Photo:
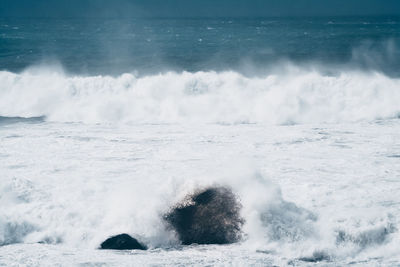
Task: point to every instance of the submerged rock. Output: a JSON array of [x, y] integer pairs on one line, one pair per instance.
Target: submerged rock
[[210, 216], [121, 242], [317, 256]]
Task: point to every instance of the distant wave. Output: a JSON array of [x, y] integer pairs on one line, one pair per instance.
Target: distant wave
[[294, 96]]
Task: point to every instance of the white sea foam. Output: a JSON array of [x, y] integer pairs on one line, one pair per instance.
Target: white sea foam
[[308, 192], [325, 192], [295, 96]]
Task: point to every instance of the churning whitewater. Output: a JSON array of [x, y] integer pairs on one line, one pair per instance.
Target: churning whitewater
[[294, 168], [210, 141], [291, 97]]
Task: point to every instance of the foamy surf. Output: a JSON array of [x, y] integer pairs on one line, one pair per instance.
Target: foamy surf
[[323, 193], [295, 96], [212, 141]]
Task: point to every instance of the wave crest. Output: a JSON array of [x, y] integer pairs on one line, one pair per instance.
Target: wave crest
[[294, 97]]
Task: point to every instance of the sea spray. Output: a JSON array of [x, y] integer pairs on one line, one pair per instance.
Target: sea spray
[[294, 97]]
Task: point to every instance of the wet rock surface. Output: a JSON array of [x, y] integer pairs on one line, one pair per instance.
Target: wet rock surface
[[122, 242], [209, 216]]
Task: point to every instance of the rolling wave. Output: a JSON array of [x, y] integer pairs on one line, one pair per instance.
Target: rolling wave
[[295, 96]]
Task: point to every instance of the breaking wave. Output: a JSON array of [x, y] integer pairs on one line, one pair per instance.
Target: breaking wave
[[293, 96], [253, 207]]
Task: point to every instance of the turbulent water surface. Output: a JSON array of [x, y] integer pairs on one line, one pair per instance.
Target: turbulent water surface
[[102, 132]]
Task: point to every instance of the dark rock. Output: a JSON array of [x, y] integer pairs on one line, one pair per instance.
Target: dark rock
[[210, 216], [121, 242]]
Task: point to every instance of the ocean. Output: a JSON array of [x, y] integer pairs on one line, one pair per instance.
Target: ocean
[[106, 125]]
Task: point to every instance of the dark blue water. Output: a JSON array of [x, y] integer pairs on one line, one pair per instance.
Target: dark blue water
[[113, 46]]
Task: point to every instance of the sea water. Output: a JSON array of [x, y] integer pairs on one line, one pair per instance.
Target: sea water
[[107, 124]]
